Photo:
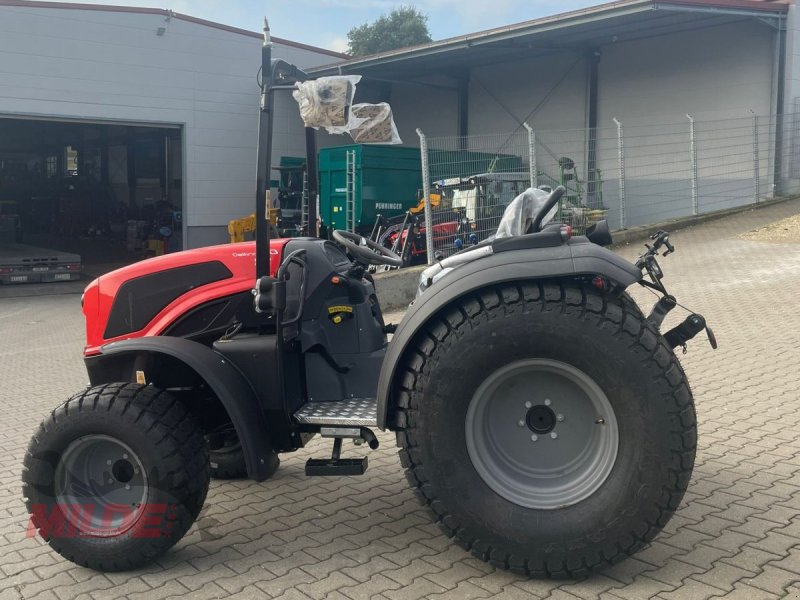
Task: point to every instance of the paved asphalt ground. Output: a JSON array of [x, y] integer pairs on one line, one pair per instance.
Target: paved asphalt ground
[[737, 534]]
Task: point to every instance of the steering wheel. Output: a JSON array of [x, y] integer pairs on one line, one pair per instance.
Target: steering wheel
[[366, 250], [551, 201]]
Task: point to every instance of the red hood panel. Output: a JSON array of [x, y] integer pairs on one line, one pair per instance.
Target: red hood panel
[[238, 258]]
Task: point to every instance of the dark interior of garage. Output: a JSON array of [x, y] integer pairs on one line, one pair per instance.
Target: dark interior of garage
[[110, 194]]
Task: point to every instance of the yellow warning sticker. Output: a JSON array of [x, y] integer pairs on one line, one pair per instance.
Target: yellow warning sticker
[[332, 310]]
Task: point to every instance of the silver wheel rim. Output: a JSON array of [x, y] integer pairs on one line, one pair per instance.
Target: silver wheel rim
[[100, 485], [541, 434]]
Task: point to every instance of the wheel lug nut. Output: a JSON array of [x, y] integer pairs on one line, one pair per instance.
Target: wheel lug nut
[[534, 438], [110, 481], [547, 402], [521, 423], [559, 417], [553, 435], [125, 456], [528, 404], [127, 486], [108, 462], [600, 421]]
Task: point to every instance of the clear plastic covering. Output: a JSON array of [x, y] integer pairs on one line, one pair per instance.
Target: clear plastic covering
[[516, 220], [519, 215], [373, 124], [326, 102]]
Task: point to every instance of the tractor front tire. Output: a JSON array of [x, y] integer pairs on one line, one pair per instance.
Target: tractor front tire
[[115, 476], [548, 427]]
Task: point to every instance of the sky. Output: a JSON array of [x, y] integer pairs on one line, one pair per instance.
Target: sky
[[325, 23]]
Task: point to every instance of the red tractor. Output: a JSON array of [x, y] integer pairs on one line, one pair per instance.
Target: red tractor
[[541, 416]]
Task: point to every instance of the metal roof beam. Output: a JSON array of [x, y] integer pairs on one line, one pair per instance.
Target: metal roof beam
[[489, 37], [716, 10], [592, 19]]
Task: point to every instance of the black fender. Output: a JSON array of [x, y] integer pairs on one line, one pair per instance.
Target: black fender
[[233, 391], [578, 257]]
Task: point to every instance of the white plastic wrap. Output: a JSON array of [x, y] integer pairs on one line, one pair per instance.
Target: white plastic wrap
[[516, 219], [372, 124], [518, 216], [326, 102]]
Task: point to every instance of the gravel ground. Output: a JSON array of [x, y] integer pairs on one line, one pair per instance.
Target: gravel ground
[[784, 231]]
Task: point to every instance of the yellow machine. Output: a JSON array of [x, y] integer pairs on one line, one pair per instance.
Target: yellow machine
[[239, 228], [435, 199]]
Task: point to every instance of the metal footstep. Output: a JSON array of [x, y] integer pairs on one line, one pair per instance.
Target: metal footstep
[[360, 412], [335, 465]]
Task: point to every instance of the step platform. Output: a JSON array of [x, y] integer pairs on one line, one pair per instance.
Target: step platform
[[339, 467], [362, 412]]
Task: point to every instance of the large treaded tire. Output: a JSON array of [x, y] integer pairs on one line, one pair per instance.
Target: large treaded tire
[[607, 338], [166, 441]]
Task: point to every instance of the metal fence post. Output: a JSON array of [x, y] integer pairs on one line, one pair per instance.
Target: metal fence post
[[693, 154], [756, 165], [532, 156], [426, 190], [621, 148]]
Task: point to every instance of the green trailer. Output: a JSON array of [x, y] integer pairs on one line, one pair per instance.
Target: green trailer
[[359, 182]]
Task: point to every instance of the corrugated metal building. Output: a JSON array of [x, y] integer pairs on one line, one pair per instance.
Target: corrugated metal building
[[140, 108], [647, 63], [116, 114], [648, 59]]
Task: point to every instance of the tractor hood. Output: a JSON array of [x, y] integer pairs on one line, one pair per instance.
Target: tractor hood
[[146, 297]]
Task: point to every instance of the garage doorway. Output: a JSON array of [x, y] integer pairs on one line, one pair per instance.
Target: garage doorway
[[107, 194]]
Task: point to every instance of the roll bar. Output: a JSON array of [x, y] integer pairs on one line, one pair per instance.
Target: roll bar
[[277, 75]]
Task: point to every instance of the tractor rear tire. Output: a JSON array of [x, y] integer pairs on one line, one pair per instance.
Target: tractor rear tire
[[227, 455], [548, 427], [115, 476], [228, 462]]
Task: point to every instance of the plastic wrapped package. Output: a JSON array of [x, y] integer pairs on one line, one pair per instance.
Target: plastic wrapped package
[[373, 124], [519, 215], [326, 102]]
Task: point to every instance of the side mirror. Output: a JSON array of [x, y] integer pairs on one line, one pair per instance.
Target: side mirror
[[599, 233]]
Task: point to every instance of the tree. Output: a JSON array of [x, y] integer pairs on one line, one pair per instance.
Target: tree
[[404, 26]]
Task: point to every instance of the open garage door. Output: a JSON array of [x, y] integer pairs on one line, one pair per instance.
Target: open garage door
[[90, 194]]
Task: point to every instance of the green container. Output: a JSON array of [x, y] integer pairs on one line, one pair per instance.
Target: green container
[[387, 179]]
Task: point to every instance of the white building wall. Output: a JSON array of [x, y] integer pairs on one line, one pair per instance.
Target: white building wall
[[98, 65], [433, 109], [722, 74], [714, 73], [792, 71], [548, 92], [501, 97]]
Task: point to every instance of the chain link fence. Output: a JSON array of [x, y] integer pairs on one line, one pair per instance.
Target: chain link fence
[[631, 175], [470, 181]]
